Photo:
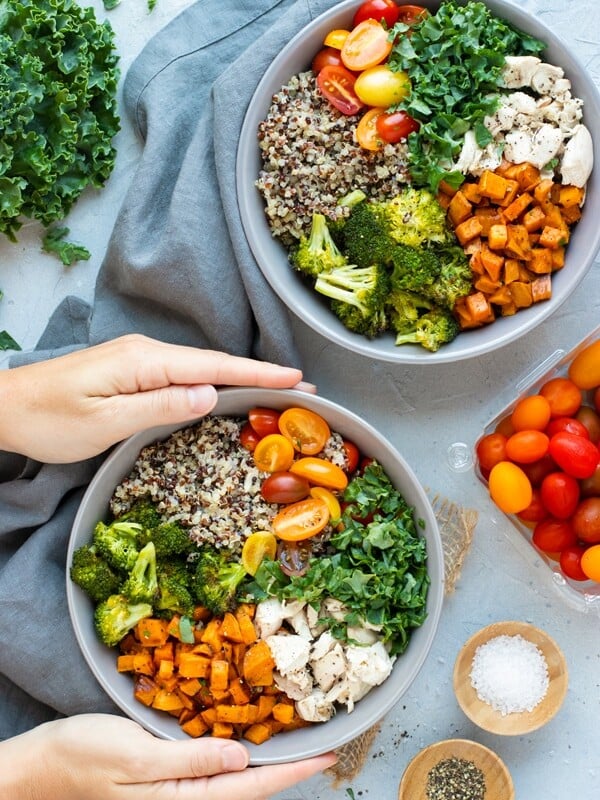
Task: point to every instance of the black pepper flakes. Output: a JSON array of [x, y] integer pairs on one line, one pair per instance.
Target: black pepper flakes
[[455, 779]]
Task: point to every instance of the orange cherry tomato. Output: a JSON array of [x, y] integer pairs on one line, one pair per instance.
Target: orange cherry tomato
[[531, 413], [320, 472], [505, 426], [563, 395], [584, 370], [590, 562], [490, 450], [307, 431], [333, 504], [366, 132], [273, 453], [510, 488], [366, 45], [352, 454], [525, 447], [301, 520], [336, 38]]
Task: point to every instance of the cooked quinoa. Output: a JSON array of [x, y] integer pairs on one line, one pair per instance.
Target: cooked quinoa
[[311, 160], [205, 479]]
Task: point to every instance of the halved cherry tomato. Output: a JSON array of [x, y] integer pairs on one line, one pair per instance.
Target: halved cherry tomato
[[563, 395], [366, 45], [333, 504], [294, 557], [307, 431], [366, 130], [509, 487], [570, 562], [379, 86], [249, 438], [257, 546], [553, 535], [301, 520], [273, 453], [396, 126], [320, 472], [525, 447], [327, 56], [352, 454], [531, 413], [336, 83], [574, 454], [410, 14], [386, 11], [560, 494], [336, 38], [284, 487], [263, 420]]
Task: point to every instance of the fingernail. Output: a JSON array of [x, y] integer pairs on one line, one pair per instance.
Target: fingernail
[[234, 757], [304, 386], [202, 398]]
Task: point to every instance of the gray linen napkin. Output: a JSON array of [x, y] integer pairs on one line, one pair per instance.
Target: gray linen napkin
[[177, 268]]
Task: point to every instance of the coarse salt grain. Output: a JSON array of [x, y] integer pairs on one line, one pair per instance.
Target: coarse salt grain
[[509, 673]]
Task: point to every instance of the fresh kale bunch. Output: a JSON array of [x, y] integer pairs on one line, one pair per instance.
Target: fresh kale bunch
[[58, 112]]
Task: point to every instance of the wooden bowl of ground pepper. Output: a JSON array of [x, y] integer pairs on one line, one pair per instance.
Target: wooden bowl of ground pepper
[[456, 769]]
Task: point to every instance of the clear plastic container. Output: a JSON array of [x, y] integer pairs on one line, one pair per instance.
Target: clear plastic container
[[582, 595]]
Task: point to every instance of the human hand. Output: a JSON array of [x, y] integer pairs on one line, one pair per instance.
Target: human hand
[[104, 757], [76, 406]]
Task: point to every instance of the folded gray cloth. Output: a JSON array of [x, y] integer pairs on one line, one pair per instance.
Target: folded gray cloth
[[177, 268]]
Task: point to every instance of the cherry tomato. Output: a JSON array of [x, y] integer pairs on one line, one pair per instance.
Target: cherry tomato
[[336, 83], [249, 438], [575, 455], [590, 487], [536, 511], [301, 520], [563, 395], [273, 453], [505, 426], [294, 557], [366, 45], [570, 562], [366, 130], [537, 471], [284, 487], [553, 535], [510, 488], [263, 420], [586, 520], [525, 447], [584, 370], [410, 14], [333, 504], [491, 449], [385, 11], [396, 126], [336, 38], [380, 87], [590, 563], [327, 56], [352, 454], [531, 413], [257, 546], [308, 432], [590, 419], [569, 424], [320, 472], [560, 494]]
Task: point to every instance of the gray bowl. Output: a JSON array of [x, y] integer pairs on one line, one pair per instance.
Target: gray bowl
[[312, 309], [305, 742]]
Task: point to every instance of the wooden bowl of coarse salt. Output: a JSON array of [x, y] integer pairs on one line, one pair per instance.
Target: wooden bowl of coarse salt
[[510, 678]]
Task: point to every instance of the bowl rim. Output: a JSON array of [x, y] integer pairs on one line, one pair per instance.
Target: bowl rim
[[302, 301], [309, 741]]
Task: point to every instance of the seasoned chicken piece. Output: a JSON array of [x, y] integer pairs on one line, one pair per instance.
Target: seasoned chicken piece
[[290, 652], [268, 618], [545, 78], [292, 607], [297, 685], [518, 70], [545, 145], [469, 154], [501, 120], [316, 707], [521, 103], [333, 608], [328, 669], [566, 114], [300, 624], [362, 635], [518, 145], [578, 158], [312, 617], [322, 646], [348, 691], [370, 664]]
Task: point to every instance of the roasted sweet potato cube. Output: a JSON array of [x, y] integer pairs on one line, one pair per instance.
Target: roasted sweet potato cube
[[194, 665], [492, 262], [145, 690], [195, 727], [219, 675], [459, 208], [552, 238], [497, 236], [493, 186], [541, 288], [222, 730], [231, 628], [514, 210], [517, 242], [152, 632], [534, 219], [521, 294], [511, 270], [540, 261], [569, 196], [283, 712], [558, 258], [258, 733], [167, 701], [232, 713], [468, 230]]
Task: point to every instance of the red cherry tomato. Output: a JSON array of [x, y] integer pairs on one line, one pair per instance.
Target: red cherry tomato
[[320, 472], [563, 395], [590, 419], [352, 454], [560, 494], [525, 447], [249, 438], [385, 11], [553, 535], [570, 562], [336, 83], [307, 431], [366, 46], [537, 471], [327, 56], [284, 487], [263, 420], [490, 450], [586, 520], [396, 126], [411, 14], [590, 487], [569, 424], [301, 520], [575, 455], [536, 511]]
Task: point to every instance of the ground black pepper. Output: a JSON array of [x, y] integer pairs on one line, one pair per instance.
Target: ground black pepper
[[455, 779]]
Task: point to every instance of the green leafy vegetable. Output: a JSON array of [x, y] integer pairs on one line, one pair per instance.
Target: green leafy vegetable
[[377, 569], [68, 252], [7, 342], [454, 59], [58, 113]]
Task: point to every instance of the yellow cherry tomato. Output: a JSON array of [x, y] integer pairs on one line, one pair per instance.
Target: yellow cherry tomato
[[257, 546], [510, 488], [333, 504], [584, 370], [381, 87], [273, 453], [336, 38], [590, 562]]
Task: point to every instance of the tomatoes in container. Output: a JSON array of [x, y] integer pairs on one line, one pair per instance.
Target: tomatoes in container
[[586, 520], [560, 494], [510, 488], [576, 455], [584, 370]]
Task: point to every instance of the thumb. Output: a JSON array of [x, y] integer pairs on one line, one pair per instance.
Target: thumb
[[167, 405], [192, 759]]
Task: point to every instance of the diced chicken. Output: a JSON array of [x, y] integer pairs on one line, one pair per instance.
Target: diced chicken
[[292, 607], [521, 103], [268, 618], [545, 145], [290, 652], [578, 158], [501, 120], [312, 617], [518, 70], [316, 707], [348, 691], [518, 146], [322, 646], [362, 635], [545, 77], [300, 624], [328, 669], [469, 154], [370, 664], [333, 608], [296, 685]]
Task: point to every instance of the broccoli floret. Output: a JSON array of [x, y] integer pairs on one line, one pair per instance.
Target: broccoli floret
[[405, 308], [174, 595], [216, 580], [116, 616], [431, 330], [92, 574], [415, 217], [358, 296], [141, 585], [317, 252], [169, 538], [455, 276], [414, 268], [118, 543], [366, 236], [144, 513]]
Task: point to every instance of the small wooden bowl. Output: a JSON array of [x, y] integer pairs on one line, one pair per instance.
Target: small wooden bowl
[[482, 713], [498, 782]]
